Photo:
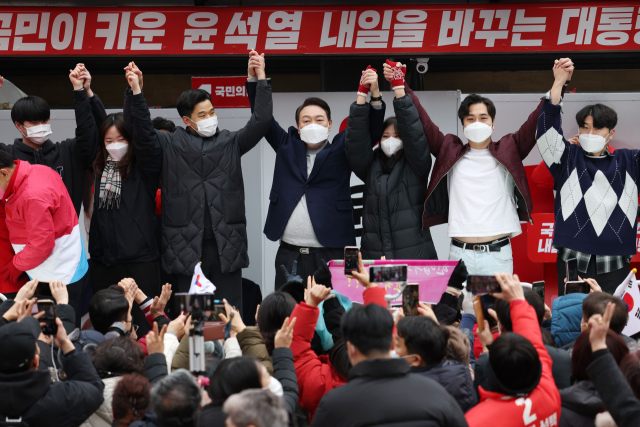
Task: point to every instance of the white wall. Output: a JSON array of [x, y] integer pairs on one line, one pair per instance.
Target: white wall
[[257, 165]]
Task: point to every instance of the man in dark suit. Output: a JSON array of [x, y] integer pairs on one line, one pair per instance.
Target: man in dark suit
[[310, 209]]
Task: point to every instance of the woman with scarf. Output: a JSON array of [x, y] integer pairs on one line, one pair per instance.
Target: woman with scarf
[[395, 175], [122, 240]]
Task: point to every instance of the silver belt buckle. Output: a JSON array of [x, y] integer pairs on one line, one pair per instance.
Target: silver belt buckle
[[480, 248], [304, 251]]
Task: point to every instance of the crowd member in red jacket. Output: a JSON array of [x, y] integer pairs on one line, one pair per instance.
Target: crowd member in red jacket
[[523, 392], [316, 374]]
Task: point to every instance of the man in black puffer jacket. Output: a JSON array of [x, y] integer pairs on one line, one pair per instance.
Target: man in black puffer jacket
[[381, 391], [27, 393], [203, 212]]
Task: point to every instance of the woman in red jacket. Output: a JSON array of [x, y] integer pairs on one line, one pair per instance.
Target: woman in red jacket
[[524, 393], [316, 374]]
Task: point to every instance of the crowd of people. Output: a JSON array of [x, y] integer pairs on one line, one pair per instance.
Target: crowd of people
[[162, 199]]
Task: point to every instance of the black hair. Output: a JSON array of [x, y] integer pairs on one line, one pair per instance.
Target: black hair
[[160, 123], [30, 109], [603, 116], [106, 307], [392, 121], [503, 309], [126, 162], [369, 328], [232, 376], [119, 356], [313, 101], [425, 337], [189, 99], [276, 307], [473, 99], [514, 361], [596, 303], [6, 160]]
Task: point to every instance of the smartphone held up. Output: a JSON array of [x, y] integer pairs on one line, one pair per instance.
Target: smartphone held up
[[350, 259], [48, 319]]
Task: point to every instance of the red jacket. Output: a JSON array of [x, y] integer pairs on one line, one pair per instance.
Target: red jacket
[[510, 151], [542, 406], [316, 375], [43, 225], [6, 256]]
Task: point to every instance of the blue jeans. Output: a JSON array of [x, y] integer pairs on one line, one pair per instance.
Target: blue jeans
[[484, 263]]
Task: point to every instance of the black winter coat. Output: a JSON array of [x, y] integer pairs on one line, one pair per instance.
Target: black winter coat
[[72, 157], [31, 395], [455, 377], [393, 201], [580, 405], [127, 233], [198, 171], [383, 392]]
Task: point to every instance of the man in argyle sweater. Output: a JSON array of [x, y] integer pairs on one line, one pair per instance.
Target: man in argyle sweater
[[597, 190]]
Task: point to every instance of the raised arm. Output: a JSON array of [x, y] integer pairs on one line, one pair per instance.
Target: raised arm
[[262, 109], [553, 147], [414, 141], [87, 135], [148, 150], [525, 137], [97, 108]]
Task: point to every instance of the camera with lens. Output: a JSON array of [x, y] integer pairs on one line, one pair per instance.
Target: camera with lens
[[423, 65]]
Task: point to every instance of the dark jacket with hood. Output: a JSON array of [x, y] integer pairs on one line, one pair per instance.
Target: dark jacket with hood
[[509, 151], [455, 377], [72, 157], [580, 405], [395, 187], [126, 233], [31, 395], [203, 176], [383, 392]]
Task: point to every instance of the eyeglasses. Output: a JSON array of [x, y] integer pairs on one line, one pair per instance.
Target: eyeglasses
[[134, 327]]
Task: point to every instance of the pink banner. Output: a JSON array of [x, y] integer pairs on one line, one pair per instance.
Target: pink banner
[[431, 275]]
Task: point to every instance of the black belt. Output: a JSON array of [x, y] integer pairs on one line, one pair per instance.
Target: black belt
[[493, 246], [302, 250]]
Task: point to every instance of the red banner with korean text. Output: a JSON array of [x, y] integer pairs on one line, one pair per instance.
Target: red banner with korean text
[[482, 28], [540, 239], [226, 92]]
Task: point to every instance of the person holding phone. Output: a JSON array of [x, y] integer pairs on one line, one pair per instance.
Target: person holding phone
[[395, 175], [596, 212], [27, 393]]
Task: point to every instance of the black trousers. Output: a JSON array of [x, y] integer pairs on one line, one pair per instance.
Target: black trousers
[[307, 263], [146, 275], [607, 281], [228, 285]]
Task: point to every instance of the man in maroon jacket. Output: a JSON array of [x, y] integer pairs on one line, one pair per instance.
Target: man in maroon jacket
[[479, 188]]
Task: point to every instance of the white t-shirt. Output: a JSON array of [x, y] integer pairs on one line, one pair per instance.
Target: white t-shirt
[[481, 197]]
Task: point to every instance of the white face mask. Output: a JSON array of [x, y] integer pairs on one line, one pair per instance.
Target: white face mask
[[117, 150], [593, 143], [275, 387], [391, 146], [38, 134], [207, 127], [478, 132], [314, 134]]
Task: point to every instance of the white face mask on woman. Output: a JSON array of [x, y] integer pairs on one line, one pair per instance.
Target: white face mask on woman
[[117, 150], [593, 143], [38, 134], [207, 127], [478, 132], [275, 387], [391, 146], [314, 134]]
